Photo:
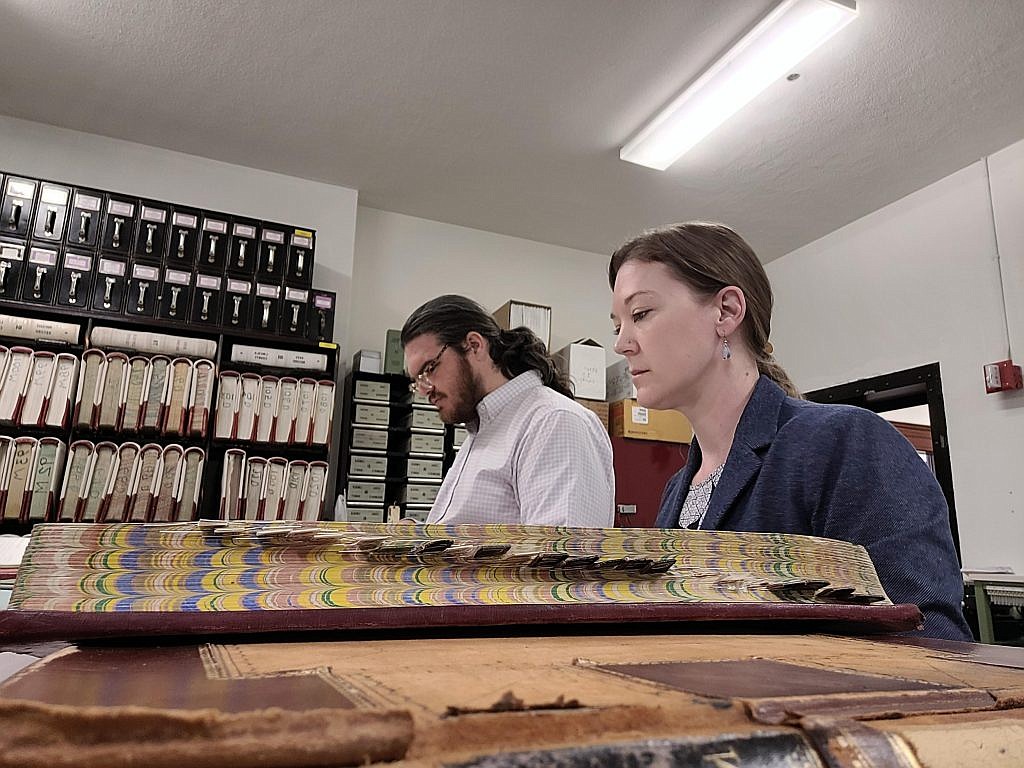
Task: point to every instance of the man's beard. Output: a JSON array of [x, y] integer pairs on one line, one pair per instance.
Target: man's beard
[[466, 395]]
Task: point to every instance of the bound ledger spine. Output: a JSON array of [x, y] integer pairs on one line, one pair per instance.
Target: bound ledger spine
[[15, 384], [46, 474], [38, 330], [153, 343]]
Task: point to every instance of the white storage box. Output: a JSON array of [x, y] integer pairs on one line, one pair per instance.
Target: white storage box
[[618, 383], [584, 362]]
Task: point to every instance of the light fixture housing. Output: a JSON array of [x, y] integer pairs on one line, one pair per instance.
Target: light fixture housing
[[770, 50]]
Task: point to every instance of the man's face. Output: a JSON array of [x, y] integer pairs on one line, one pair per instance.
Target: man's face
[[445, 376]]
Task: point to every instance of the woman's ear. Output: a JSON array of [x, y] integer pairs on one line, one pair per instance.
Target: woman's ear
[[732, 308]]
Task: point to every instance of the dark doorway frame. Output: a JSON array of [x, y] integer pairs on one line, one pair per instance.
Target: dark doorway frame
[[906, 389]]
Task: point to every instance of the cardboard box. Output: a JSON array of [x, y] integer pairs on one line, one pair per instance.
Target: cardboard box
[[600, 407], [583, 361], [618, 383], [536, 317], [367, 361], [628, 419], [394, 355]]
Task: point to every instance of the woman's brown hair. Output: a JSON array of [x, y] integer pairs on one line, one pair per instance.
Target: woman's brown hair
[[707, 258]]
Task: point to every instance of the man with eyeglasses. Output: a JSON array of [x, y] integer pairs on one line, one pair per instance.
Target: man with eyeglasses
[[533, 455]]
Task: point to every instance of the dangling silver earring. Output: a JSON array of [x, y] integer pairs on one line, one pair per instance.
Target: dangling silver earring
[[726, 352]]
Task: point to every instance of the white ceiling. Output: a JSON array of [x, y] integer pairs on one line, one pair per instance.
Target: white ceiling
[[507, 115]]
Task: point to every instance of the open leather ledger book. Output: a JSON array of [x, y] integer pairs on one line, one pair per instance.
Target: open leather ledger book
[[255, 576]]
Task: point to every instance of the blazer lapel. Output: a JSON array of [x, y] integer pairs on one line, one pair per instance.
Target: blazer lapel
[[756, 430]]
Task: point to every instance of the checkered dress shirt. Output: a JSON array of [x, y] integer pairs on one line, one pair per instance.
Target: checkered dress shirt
[[534, 457]]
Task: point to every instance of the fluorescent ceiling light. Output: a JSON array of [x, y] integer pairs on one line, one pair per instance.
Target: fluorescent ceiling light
[[770, 50]]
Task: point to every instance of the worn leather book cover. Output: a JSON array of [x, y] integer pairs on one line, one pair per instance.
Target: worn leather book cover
[[484, 700], [240, 576]]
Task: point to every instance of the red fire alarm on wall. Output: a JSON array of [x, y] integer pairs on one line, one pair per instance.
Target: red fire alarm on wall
[[1002, 376]]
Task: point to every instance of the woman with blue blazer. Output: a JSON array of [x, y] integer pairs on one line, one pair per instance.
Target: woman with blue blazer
[[692, 311]]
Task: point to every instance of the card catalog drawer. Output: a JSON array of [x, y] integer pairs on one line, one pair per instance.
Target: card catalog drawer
[[365, 514], [426, 443], [372, 466], [359, 491], [423, 418], [372, 414], [372, 390], [370, 439], [419, 493], [428, 468]]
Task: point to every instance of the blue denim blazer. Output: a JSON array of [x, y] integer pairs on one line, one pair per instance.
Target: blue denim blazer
[[838, 472]]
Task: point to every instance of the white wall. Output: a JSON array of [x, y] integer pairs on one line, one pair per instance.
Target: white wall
[[918, 282], [135, 169], [402, 261]]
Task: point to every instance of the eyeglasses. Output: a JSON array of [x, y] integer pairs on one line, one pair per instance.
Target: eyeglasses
[[422, 379]]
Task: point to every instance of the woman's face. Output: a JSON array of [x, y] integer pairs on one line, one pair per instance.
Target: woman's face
[[666, 332]]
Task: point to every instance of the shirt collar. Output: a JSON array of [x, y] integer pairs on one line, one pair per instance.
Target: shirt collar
[[508, 393]]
